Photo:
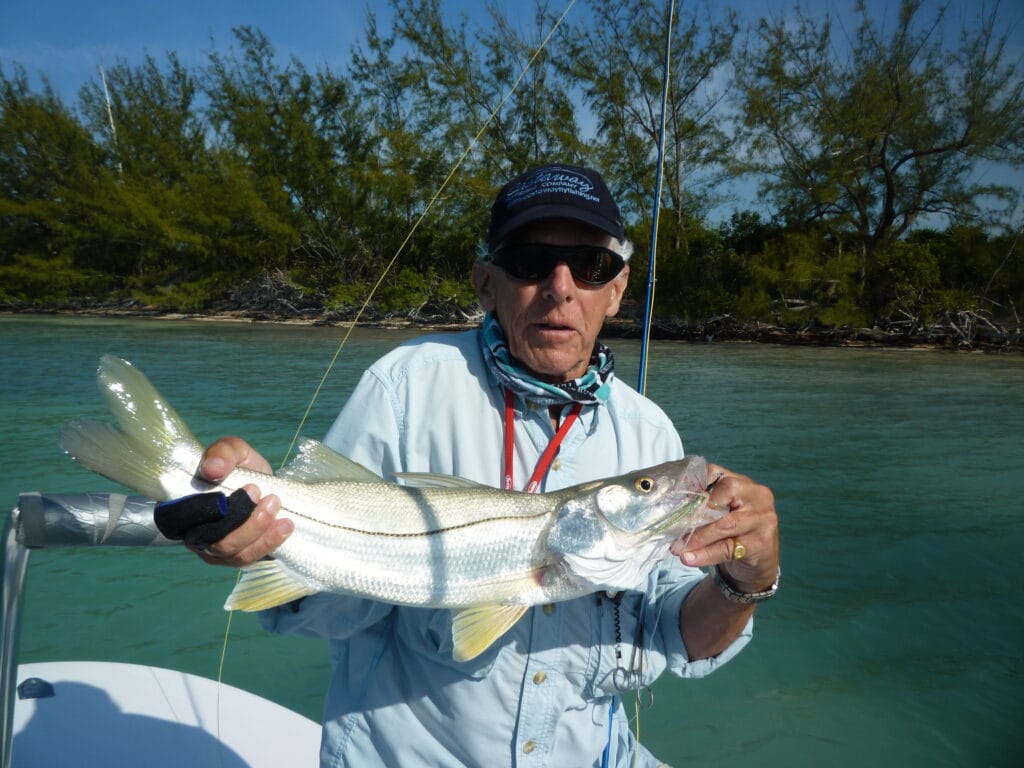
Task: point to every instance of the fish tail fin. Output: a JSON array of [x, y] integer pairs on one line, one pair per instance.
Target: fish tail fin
[[148, 442], [266, 584]]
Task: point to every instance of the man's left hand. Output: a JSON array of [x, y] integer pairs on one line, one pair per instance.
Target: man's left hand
[[745, 542]]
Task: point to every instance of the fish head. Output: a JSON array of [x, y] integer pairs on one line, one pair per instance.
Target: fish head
[[664, 501], [609, 534]]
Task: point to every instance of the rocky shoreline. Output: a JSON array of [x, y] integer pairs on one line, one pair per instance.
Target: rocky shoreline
[[959, 331]]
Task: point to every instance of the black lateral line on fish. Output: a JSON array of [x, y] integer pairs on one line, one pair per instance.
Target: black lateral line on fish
[[433, 532]]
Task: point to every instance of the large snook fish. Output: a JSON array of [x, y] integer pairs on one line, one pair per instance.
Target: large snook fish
[[434, 540]]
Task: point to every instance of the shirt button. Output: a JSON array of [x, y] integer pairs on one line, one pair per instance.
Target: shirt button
[[548, 608], [529, 746], [556, 464], [540, 677]]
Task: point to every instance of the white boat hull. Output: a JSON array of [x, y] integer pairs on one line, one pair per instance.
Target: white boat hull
[[109, 714]]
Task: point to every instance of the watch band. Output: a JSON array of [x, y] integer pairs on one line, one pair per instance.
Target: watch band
[[744, 598]]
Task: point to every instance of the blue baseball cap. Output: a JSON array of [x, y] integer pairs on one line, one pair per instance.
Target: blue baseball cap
[[554, 192]]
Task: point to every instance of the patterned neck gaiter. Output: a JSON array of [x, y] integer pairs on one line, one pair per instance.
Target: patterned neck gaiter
[[594, 386]]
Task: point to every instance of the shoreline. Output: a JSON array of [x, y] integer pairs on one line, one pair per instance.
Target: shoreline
[[984, 338]]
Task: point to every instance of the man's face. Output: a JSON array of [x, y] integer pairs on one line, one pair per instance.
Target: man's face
[[551, 325]]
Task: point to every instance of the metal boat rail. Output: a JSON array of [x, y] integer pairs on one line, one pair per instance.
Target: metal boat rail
[[58, 520]]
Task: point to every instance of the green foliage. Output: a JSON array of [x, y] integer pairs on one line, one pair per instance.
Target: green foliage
[[798, 277], [33, 279], [907, 273], [845, 313], [456, 293], [407, 289], [182, 295], [411, 290], [255, 179], [692, 271], [871, 131], [347, 296], [617, 60], [972, 262], [951, 300]]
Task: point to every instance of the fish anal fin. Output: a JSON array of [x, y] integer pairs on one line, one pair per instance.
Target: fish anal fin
[[475, 629], [265, 585]]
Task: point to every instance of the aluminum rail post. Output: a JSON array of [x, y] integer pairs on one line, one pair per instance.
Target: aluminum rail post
[[58, 520]]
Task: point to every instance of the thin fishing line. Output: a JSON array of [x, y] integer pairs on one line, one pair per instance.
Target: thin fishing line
[[415, 226], [373, 291], [670, 8], [636, 720], [220, 674]]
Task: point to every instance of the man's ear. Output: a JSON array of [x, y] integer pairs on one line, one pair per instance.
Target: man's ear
[[483, 284], [618, 291]]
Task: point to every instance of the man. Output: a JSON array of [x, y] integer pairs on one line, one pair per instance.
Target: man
[[485, 405]]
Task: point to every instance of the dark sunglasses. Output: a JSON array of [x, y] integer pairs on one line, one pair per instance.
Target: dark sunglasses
[[533, 262]]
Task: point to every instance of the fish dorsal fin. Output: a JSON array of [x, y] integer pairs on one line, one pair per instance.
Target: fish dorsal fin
[[431, 480], [475, 629], [316, 463], [263, 585]]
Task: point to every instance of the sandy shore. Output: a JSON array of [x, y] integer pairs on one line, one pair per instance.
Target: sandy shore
[[719, 329]]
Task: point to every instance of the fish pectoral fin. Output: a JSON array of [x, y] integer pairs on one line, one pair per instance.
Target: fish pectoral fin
[[265, 585], [431, 480], [475, 629]]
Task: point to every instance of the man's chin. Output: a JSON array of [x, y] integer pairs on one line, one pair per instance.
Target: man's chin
[[556, 371]]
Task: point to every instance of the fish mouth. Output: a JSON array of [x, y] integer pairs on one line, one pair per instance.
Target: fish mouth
[[691, 509]]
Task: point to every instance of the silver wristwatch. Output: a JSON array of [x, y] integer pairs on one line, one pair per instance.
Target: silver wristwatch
[[744, 598]]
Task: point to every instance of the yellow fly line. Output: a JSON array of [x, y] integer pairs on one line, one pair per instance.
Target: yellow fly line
[[415, 226], [401, 248], [373, 290]]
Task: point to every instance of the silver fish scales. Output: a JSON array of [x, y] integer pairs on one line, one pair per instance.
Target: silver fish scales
[[433, 540]]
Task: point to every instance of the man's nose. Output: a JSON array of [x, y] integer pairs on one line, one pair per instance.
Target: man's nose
[[560, 285]]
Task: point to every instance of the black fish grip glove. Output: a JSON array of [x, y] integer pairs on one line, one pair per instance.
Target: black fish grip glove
[[203, 518]]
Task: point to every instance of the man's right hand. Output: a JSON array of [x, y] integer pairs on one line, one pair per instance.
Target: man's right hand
[[262, 532]]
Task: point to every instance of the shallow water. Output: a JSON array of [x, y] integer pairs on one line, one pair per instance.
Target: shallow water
[[897, 637]]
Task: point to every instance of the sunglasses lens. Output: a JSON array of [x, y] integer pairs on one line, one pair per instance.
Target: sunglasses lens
[[533, 262], [596, 266]]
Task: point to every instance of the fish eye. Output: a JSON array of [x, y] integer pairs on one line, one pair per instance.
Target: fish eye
[[644, 484]]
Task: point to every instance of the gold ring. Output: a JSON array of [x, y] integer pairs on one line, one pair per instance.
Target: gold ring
[[738, 551]]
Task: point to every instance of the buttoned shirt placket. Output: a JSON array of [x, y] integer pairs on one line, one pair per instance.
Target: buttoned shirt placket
[[538, 718]]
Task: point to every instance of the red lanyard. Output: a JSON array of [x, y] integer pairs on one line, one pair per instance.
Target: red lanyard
[[544, 462]]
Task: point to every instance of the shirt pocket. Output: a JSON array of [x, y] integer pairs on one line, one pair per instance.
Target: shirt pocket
[[427, 632]]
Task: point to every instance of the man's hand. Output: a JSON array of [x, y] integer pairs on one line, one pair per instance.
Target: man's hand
[[708, 622], [750, 527], [262, 532]]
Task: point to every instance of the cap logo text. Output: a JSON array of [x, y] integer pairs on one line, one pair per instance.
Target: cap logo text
[[552, 181]]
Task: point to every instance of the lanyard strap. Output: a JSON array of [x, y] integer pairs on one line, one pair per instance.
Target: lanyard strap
[[546, 458]]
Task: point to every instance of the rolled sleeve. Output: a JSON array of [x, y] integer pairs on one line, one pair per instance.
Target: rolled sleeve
[[682, 581]]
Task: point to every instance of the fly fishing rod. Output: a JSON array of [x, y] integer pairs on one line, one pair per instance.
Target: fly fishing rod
[[652, 258]]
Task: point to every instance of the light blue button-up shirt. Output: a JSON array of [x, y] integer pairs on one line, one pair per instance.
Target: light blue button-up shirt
[[541, 695]]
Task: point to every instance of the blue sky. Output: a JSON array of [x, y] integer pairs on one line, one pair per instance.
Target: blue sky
[[67, 40]]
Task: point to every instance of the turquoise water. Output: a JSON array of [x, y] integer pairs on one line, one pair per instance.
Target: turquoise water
[[898, 634]]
